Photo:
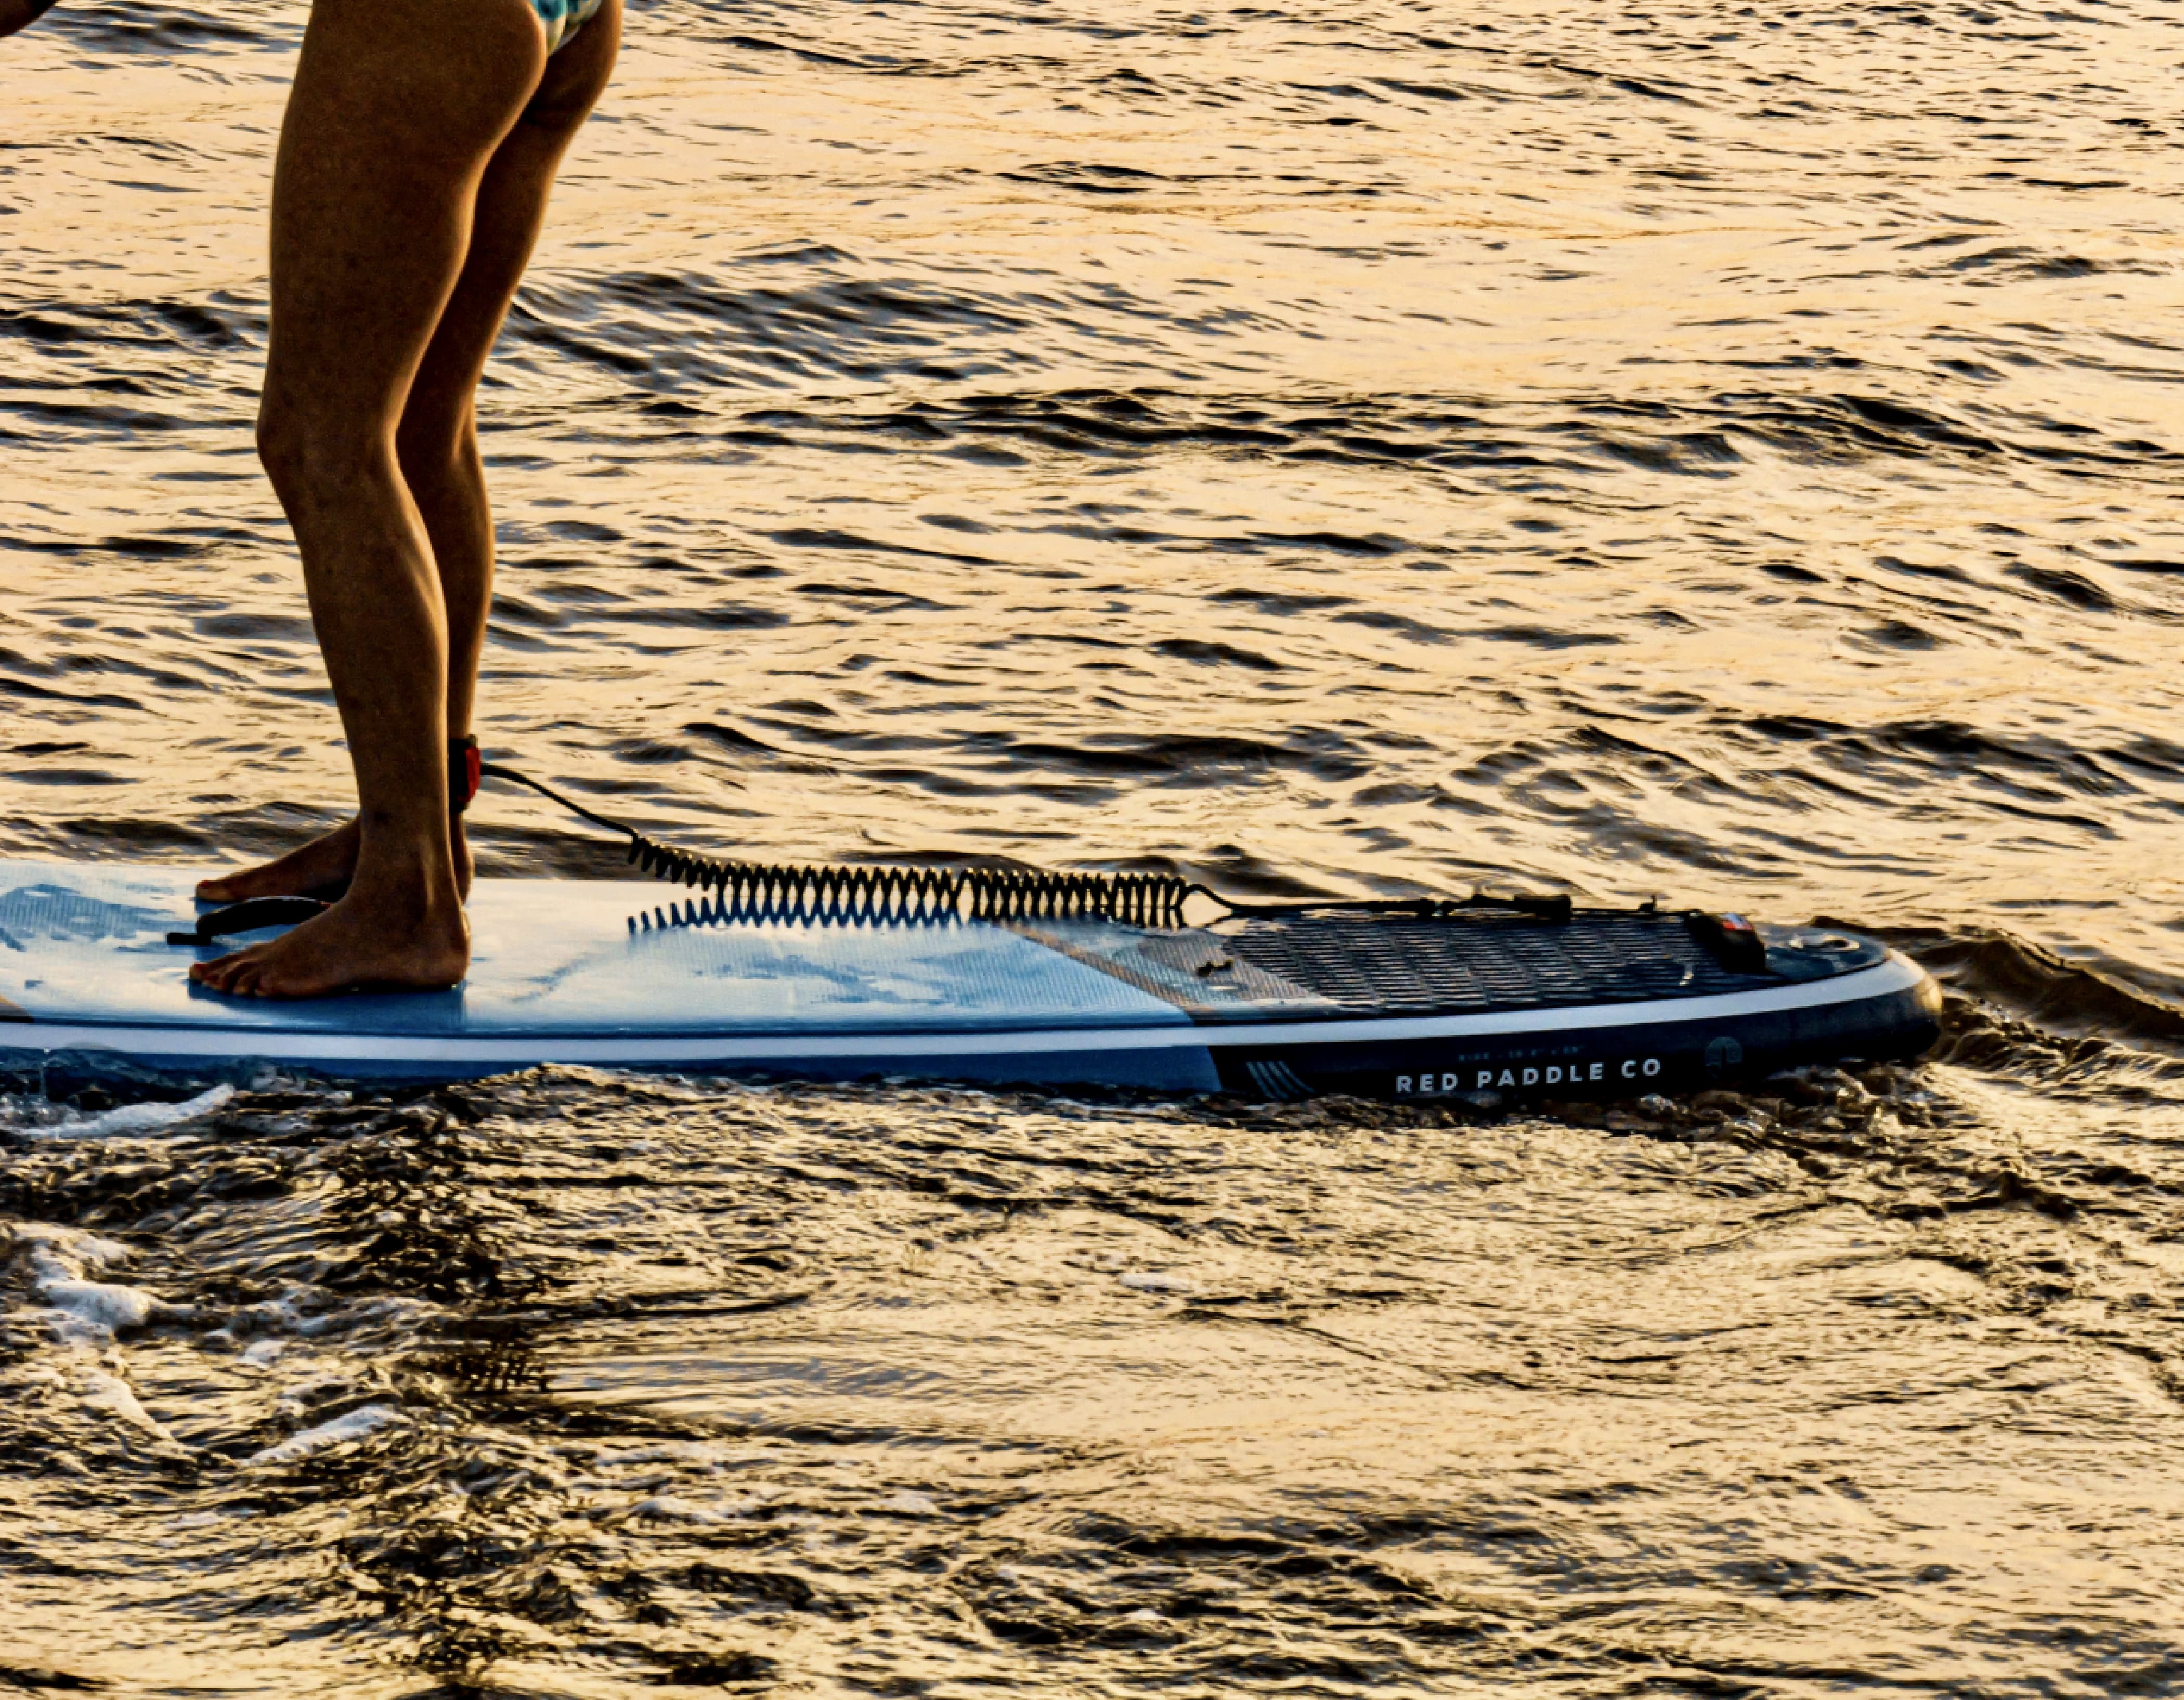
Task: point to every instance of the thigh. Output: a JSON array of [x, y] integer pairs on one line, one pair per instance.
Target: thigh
[[511, 208], [397, 109]]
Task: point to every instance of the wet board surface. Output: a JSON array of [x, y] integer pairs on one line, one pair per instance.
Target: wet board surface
[[623, 973]]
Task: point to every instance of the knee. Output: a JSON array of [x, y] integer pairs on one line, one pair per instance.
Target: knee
[[292, 439], [280, 438], [434, 452], [303, 446]]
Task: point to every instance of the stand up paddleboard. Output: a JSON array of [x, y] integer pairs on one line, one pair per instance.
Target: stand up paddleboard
[[1532, 998]]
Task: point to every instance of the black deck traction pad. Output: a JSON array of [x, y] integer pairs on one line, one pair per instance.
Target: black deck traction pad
[[1391, 965], [1387, 965]]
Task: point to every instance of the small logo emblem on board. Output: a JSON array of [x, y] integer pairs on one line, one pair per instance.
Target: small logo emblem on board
[[1722, 1055]]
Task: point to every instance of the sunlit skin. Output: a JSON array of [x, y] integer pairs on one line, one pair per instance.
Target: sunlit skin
[[420, 146]]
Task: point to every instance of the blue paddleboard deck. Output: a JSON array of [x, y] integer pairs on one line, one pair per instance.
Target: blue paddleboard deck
[[605, 973]]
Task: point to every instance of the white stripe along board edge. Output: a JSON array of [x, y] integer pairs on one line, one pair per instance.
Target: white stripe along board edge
[[1896, 974]]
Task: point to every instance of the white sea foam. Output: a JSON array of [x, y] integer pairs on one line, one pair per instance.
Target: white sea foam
[[668, 1508], [84, 1314], [1142, 1281], [105, 1306], [665, 1452], [143, 1118], [351, 1425], [64, 1251], [60, 1262], [104, 1391]]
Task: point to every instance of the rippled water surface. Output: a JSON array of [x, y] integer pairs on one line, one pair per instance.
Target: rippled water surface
[[1731, 452]]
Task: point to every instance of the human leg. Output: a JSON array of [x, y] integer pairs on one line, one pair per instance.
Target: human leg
[[397, 109], [436, 441]]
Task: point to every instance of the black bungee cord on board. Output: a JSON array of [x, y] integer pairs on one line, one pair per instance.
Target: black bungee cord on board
[[881, 893]]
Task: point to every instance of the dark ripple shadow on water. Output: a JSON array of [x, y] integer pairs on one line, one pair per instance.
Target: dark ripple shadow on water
[[882, 1388], [1350, 671], [1722, 453]]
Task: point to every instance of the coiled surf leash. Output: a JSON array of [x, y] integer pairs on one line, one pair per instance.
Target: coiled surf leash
[[899, 893], [910, 891]]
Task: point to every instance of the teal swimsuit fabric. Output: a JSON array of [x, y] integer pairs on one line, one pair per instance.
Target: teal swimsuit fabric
[[563, 19]]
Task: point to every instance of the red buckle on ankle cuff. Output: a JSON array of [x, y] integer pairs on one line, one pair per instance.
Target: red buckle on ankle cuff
[[465, 773]]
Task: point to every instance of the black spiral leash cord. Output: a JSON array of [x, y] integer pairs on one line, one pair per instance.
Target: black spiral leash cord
[[893, 893], [897, 893], [902, 893]]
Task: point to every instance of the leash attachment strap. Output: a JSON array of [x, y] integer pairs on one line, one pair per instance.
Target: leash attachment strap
[[249, 916]]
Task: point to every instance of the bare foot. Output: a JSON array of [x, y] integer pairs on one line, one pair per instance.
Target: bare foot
[[407, 940], [323, 862], [320, 867]]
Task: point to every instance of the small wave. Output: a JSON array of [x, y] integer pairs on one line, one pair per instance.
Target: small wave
[[2035, 984]]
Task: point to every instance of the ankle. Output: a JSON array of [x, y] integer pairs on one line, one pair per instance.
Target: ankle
[[419, 877]]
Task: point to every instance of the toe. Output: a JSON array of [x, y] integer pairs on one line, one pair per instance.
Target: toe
[[220, 974]]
